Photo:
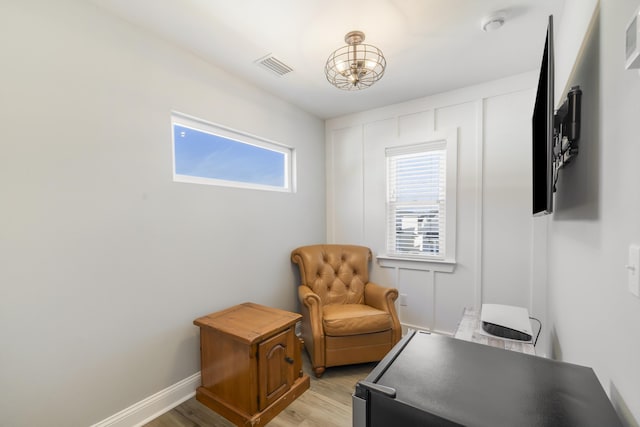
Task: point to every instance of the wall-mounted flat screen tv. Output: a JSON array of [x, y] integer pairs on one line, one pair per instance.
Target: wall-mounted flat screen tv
[[542, 142]]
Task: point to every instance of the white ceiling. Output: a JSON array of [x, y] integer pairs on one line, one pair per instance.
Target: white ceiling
[[431, 46]]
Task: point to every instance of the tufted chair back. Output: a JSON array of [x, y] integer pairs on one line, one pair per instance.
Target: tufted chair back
[[336, 273]]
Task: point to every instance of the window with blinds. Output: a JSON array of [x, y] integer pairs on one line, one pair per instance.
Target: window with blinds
[[416, 200]]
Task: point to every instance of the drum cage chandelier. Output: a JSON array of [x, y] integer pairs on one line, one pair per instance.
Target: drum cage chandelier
[[355, 66]]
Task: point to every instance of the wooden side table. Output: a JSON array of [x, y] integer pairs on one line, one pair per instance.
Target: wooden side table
[[251, 366]]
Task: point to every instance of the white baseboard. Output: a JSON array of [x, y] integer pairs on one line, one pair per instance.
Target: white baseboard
[[155, 405]]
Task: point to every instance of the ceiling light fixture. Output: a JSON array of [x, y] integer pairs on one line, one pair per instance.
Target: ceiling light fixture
[[355, 66]]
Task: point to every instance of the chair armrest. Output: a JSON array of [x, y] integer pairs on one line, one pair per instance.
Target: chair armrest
[[311, 310], [380, 297], [310, 299], [383, 299], [312, 330]]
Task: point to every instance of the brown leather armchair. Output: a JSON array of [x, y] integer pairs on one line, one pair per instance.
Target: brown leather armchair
[[345, 318]]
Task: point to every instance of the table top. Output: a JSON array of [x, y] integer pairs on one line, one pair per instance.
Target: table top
[[249, 322], [469, 329]]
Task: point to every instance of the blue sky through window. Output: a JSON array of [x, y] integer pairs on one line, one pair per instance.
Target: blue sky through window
[[204, 155]]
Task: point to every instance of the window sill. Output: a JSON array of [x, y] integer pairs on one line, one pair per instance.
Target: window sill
[[442, 266]]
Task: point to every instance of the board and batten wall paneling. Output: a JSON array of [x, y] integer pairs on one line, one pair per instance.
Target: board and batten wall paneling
[[419, 287], [415, 127], [456, 291], [345, 190], [377, 136], [434, 300], [507, 216]]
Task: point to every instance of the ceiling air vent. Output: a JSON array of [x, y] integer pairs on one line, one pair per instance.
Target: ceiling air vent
[[274, 65]]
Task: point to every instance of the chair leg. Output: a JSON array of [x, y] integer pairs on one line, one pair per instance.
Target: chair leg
[[318, 371]]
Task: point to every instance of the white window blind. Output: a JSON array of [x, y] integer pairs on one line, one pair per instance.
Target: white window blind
[[416, 200]]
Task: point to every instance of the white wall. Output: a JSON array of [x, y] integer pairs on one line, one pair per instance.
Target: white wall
[[595, 320], [570, 28], [494, 224], [104, 261]]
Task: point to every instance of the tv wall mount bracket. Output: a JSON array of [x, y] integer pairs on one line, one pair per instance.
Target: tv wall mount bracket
[[566, 131]]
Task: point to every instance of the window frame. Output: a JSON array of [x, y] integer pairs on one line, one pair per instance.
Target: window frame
[[444, 262], [203, 126]]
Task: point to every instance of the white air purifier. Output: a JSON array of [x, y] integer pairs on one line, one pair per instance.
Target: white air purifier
[[506, 321]]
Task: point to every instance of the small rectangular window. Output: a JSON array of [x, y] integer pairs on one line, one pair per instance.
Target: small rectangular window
[[416, 201], [421, 199], [205, 153]]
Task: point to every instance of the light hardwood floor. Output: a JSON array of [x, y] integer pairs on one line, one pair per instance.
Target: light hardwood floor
[[327, 403]]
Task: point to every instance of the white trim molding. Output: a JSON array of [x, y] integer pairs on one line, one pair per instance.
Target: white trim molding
[[437, 142], [442, 266], [477, 286], [153, 406]]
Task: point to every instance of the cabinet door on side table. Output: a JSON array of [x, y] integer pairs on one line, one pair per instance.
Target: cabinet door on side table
[[275, 366]]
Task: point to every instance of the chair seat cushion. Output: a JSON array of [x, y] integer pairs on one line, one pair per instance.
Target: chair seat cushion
[[354, 319]]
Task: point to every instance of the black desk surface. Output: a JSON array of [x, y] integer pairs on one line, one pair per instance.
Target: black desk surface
[[455, 382]]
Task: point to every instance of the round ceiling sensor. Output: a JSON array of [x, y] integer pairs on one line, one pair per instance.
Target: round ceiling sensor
[[493, 22]]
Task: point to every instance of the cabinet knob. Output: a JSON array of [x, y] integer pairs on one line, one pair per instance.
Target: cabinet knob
[[288, 360]]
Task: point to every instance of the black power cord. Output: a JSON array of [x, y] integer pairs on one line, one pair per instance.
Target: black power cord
[[539, 329]]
